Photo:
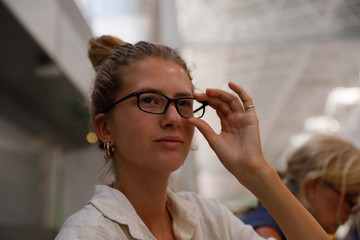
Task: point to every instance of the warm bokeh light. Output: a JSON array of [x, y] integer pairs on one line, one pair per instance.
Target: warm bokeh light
[[91, 137]]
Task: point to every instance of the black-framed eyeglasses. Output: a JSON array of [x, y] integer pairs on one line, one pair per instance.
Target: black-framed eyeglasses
[[157, 103], [351, 198]]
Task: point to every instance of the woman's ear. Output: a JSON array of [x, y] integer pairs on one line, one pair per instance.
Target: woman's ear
[[310, 187], [102, 128]]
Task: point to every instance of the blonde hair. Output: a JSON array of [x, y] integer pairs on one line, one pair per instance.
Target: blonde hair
[[332, 159]]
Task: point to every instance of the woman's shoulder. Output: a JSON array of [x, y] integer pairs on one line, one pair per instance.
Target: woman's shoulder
[[96, 219], [89, 223], [82, 224], [107, 215]]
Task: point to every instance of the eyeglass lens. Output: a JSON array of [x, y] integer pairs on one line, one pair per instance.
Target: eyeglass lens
[[351, 199], [156, 103]]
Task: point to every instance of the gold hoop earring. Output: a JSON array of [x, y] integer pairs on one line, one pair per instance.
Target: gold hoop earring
[[108, 151]]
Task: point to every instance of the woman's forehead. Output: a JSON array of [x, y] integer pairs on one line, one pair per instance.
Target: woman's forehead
[[160, 75]]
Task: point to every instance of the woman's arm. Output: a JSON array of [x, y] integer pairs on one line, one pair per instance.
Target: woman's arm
[[238, 147]]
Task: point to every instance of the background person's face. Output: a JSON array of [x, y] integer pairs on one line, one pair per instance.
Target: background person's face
[[329, 207]]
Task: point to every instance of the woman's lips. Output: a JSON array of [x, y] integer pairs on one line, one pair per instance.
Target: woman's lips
[[170, 141]]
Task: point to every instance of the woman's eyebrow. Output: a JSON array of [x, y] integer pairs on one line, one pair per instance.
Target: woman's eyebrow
[[179, 94], [184, 94]]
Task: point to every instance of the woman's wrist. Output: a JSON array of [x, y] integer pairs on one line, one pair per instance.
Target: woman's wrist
[[268, 187], [256, 178]]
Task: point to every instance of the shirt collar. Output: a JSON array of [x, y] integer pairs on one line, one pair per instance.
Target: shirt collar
[[183, 215], [114, 205]]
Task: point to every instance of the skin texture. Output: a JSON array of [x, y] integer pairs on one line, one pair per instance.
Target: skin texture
[[148, 148]]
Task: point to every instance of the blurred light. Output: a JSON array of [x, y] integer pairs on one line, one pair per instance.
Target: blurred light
[[333, 125], [122, 18], [133, 27], [299, 139], [91, 137], [321, 124], [341, 96]]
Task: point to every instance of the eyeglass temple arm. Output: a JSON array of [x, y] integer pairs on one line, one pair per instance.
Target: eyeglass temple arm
[[202, 106], [120, 100]]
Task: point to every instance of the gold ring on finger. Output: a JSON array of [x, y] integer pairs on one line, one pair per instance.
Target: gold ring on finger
[[250, 106]]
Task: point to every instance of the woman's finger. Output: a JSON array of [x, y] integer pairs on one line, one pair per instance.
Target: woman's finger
[[244, 96], [205, 129], [216, 103], [231, 100]]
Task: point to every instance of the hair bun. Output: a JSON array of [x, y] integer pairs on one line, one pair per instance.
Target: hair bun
[[100, 49]]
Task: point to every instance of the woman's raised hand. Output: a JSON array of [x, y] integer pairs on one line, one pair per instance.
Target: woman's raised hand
[[238, 148], [238, 145]]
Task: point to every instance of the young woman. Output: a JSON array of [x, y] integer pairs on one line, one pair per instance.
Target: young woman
[[324, 174], [144, 111]]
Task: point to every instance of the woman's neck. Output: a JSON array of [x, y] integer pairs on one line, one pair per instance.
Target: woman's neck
[[148, 193]]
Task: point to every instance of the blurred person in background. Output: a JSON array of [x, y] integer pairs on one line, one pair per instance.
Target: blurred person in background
[[354, 232], [324, 174], [144, 110]]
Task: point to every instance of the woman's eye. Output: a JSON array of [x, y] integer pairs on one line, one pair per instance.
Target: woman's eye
[[148, 100], [185, 103]]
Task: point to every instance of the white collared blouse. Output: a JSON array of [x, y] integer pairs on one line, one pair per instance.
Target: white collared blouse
[[110, 215]]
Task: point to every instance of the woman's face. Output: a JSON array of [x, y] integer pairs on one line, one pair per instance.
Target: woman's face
[[149, 141], [329, 206]]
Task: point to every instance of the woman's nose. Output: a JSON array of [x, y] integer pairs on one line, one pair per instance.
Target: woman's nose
[[171, 118]]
